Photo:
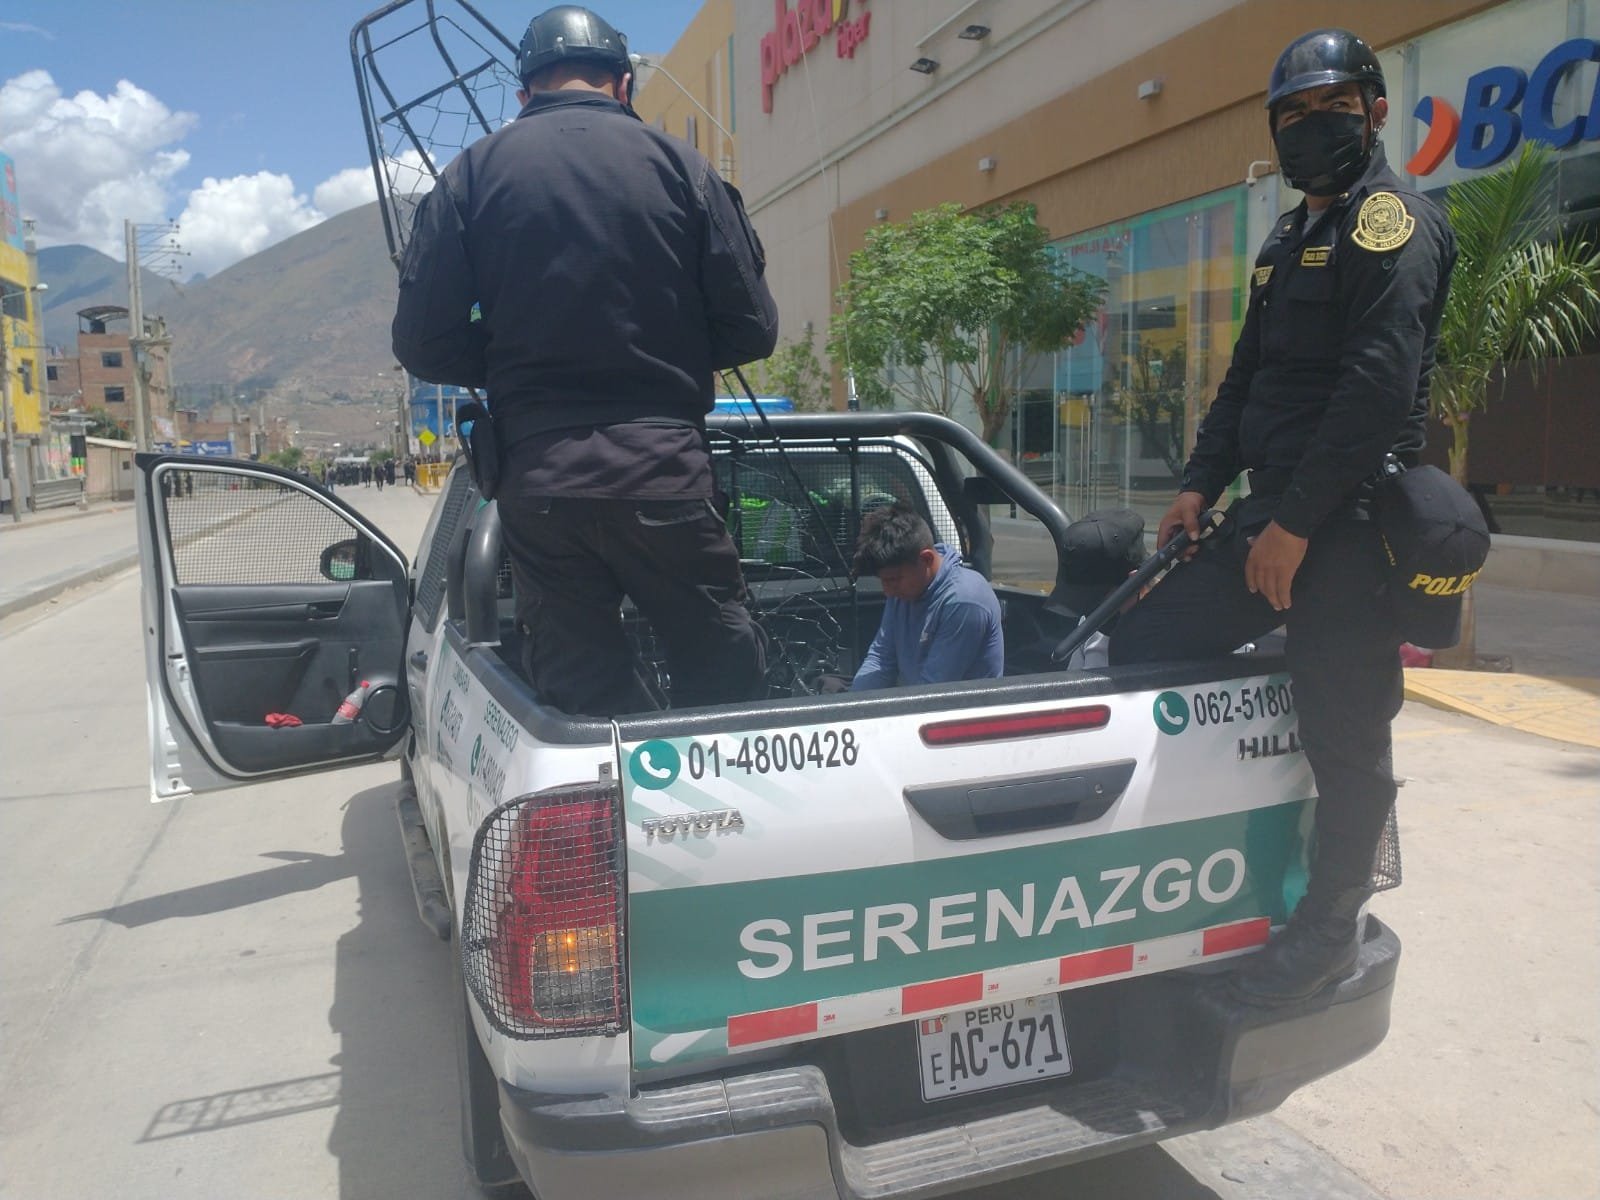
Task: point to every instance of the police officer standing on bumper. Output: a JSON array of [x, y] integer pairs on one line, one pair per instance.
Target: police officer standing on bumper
[[1329, 377], [613, 271]]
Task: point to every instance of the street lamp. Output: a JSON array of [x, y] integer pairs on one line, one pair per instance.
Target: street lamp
[[645, 60]]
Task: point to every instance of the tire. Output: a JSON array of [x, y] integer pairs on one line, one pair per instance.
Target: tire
[[483, 1142]]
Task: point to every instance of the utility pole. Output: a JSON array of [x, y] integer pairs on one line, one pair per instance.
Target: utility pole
[[10, 424], [158, 243]]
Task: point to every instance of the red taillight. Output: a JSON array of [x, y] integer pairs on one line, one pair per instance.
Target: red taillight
[[541, 938], [1018, 725]]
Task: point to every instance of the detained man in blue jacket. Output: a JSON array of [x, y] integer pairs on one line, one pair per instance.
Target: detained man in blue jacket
[[941, 621]]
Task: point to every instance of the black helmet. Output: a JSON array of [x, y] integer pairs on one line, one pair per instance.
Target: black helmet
[[1322, 57], [569, 33]]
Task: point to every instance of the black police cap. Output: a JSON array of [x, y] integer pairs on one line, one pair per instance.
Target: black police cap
[[1437, 542], [1098, 552], [570, 33], [1323, 57]]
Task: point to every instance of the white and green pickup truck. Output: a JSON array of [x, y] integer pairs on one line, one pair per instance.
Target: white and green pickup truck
[[891, 943]]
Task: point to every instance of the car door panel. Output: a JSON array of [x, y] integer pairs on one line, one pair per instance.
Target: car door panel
[[264, 595]]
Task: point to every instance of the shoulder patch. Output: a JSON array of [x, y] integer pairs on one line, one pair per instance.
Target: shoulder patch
[[1261, 275], [1383, 223]]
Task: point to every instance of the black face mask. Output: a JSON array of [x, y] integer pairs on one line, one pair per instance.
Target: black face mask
[[1323, 153]]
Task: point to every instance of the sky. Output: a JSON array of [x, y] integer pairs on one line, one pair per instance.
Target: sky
[[236, 118]]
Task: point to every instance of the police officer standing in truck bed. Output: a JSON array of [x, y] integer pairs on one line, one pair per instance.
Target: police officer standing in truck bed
[[613, 271], [1329, 378]]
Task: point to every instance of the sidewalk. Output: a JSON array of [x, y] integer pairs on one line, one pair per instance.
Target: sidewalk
[[45, 556], [1554, 687]]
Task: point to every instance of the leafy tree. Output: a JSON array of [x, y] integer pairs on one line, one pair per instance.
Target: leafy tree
[[952, 304], [290, 458], [1521, 292], [102, 424], [794, 371], [1156, 401], [382, 455]]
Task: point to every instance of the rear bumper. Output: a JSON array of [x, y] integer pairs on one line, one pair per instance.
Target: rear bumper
[[780, 1132]]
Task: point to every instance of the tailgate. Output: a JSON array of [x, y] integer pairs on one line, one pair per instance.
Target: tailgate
[[790, 882]]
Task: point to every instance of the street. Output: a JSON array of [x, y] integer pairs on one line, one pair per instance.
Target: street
[[233, 995]]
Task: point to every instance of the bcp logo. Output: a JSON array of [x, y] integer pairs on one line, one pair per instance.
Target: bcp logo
[[1501, 106]]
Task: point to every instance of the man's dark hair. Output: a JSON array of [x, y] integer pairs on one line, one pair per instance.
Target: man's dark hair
[[891, 537], [595, 74]]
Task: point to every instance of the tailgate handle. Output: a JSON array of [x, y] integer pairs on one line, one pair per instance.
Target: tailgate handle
[[987, 807]]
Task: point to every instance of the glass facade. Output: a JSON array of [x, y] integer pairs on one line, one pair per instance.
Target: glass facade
[[1108, 421]]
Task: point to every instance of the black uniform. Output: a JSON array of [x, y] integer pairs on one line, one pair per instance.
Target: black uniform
[[1329, 375], [612, 272]]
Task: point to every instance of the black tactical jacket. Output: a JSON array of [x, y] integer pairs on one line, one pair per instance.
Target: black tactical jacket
[[613, 268], [1331, 370]]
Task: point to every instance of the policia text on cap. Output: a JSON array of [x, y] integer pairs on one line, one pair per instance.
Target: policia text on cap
[[614, 271], [1329, 376]]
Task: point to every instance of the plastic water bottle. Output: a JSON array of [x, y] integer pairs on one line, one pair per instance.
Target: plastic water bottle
[[350, 707]]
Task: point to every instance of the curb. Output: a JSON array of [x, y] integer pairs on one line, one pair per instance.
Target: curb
[[52, 517], [1566, 710], [52, 586]]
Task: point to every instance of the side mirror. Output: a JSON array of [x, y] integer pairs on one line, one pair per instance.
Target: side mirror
[[340, 561], [980, 489]]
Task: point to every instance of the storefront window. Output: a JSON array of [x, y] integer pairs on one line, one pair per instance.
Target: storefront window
[[1108, 422], [1531, 460]]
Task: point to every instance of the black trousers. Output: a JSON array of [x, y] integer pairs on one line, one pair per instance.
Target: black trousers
[[574, 560], [1344, 664]]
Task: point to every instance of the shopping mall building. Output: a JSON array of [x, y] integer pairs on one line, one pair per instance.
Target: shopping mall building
[[1136, 128]]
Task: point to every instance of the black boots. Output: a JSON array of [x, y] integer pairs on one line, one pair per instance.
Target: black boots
[[1319, 945]]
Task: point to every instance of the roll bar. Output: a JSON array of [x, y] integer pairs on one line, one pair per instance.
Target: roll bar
[[931, 426]]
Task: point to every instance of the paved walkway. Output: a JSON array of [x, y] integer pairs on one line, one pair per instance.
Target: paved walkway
[[43, 557]]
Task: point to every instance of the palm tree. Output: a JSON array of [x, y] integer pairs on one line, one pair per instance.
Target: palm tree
[[1522, 291]]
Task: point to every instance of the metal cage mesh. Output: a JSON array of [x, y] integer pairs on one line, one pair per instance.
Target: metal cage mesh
[[1386, 865], [431, 586], [541, 934], [433, 79], [225, 527]]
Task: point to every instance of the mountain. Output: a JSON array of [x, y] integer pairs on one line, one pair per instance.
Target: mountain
[[306, 317]]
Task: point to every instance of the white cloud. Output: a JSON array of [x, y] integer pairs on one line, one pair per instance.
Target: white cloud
[[230, 219], [350, 188], [86, 162]]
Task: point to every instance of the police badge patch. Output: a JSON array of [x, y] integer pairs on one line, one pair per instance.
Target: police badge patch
[[1383, 223]]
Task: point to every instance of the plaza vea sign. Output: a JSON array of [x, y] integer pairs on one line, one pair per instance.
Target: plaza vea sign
[[1501, 106], [797, 31]]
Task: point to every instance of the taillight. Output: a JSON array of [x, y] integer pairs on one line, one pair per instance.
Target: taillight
[[541, 938], [1030, 724]]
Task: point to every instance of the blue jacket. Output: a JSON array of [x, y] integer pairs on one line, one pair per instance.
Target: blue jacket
[[951, 633]]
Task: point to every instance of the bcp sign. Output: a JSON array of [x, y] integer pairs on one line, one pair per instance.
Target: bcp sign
[[1501, 106], [798, 31]]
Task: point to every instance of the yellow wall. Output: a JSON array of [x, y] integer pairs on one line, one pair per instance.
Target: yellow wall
[[19, 338], [701, 62]]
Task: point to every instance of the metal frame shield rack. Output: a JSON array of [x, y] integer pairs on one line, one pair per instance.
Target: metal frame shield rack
[[408, 139]]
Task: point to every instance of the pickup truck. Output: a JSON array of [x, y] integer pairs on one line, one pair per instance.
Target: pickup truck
[[882, 944]]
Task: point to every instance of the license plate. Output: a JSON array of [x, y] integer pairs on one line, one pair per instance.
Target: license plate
[[977, 1049]]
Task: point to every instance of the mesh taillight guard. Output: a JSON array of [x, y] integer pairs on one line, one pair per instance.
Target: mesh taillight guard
[[542, 926]]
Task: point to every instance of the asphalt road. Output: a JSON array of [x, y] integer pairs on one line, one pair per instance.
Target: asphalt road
[[232, 995]]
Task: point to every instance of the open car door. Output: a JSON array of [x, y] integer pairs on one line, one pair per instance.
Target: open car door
[[263, 597]]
